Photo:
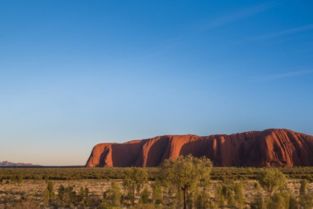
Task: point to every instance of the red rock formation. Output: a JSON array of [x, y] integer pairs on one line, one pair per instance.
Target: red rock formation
[[272, 147]]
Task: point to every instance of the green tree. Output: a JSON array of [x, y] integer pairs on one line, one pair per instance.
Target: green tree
[[67, 196], [116, 194], [135, 179], [303, 187], [275, 183], [230, 193], [113, 195], [239, 195], [157, 193], [203, 201], [273, 180], [46, 197], [85, 195], [50, 189], [61, 192], [186, 173], [49, 194], [19, 179]]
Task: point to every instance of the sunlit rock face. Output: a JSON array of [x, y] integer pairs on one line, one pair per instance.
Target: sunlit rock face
[[272, 147]]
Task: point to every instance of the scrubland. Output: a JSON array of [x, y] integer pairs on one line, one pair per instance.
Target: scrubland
[[186, 183]]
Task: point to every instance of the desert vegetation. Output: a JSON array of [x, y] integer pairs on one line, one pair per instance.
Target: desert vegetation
[[217, 173], [186, 183]]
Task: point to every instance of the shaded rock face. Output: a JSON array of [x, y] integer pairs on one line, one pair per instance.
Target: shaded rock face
[[272, 147]]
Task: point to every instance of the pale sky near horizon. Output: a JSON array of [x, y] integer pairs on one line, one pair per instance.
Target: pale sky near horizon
[[76, 73]]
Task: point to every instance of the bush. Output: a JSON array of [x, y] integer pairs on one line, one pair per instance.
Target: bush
[[186, 174], [145, 196], [305, 199], [260, 202], [273, 180], [230, 194], [134, 180], [279, 200], [112, 197], [157, 193]]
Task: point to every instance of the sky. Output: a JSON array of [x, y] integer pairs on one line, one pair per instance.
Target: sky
[[76, 73]]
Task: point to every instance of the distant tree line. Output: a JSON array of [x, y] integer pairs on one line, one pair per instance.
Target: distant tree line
[[12, 175]]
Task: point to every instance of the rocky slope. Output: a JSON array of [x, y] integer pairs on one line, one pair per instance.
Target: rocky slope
[[272, 147]]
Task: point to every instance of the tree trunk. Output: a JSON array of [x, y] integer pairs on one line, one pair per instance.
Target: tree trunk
[[133, 196], [185, 193]]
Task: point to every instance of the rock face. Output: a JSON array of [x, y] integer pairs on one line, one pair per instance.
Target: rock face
[[272, 147]]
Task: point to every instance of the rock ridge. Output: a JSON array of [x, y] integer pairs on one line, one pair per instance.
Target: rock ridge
[[271, 147]]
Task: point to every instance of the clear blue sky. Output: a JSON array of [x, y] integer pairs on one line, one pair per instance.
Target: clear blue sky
[[75, 73]]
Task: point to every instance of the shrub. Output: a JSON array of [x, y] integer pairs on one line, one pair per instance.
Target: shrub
[[157, 193], [134, 180], [186, 174], [112, 197], [145, 196], [273, 180]]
